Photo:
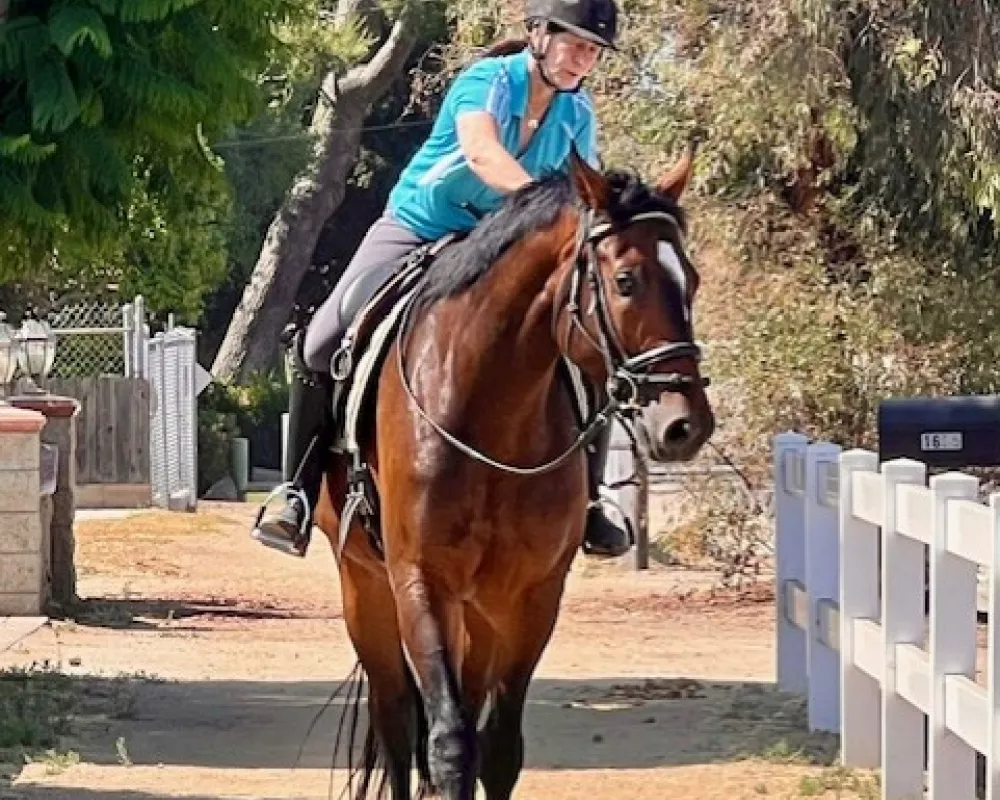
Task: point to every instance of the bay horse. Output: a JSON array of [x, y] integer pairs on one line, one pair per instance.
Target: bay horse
[[477, 455]]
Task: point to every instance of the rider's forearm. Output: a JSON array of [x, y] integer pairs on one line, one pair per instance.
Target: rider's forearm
[[477, 135], [496, 168]]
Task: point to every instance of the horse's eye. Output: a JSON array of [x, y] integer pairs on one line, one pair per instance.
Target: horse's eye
[[626, 283]]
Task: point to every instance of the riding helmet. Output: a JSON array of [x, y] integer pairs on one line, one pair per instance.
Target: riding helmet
[[595, 20]]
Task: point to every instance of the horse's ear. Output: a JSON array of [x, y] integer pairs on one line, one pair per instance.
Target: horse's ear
[[675, 180], [588, 182]]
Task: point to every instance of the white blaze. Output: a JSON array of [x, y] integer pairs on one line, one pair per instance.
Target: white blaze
[[672, 264]]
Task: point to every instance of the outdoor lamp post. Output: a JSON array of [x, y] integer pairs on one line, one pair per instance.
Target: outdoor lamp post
[[10, 348], [38, 351]]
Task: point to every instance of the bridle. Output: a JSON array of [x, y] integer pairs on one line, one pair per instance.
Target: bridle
[[628, 375]]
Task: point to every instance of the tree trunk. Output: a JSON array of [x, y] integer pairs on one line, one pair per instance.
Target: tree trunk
[[251, 341]]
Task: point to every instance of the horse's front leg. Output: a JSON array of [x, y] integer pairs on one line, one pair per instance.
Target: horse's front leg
[[432, 630]]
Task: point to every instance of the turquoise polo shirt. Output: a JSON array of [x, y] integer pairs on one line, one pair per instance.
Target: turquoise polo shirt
[[438, 193]]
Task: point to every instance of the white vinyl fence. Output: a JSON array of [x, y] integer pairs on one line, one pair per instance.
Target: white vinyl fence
[[853, 540], [170, 368]]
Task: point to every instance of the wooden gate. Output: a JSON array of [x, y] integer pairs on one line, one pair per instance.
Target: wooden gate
[[112, 448]]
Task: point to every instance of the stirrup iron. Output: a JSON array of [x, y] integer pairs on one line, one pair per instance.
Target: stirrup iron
[[284, 545]]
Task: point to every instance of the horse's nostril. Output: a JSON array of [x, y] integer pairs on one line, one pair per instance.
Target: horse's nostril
[[677, 431]]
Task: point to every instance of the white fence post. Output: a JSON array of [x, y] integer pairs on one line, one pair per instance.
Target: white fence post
[[134, 337], [822, 539], [163, 432], [128, 339], [993, 658], [902, 623], [952, 642], [189, 416], [790, 551], [860, 701], [140, 337]]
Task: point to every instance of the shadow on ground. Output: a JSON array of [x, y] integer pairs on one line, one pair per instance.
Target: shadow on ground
[[570, 724], [61, 793], [156, 613]]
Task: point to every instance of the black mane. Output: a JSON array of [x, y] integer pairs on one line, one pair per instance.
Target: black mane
[[532, 208]]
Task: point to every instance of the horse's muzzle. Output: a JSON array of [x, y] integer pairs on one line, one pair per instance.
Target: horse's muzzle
[[675, 428]]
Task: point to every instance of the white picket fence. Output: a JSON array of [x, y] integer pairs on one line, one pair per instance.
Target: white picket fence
[[853, 539]]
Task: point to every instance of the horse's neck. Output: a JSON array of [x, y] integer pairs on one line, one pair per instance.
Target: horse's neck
[[515, 304], [503, 326]]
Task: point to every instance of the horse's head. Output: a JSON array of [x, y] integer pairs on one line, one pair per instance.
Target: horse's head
[[626, 303]]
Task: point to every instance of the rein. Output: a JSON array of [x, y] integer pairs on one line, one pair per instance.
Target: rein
[[627, 375]]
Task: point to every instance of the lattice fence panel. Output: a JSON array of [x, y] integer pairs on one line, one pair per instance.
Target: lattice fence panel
[[100, 352]]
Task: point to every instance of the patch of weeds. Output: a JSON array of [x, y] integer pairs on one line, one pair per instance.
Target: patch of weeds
[[56, 762], [117, 697], [36, 705], [839, 779], [784, 752], [113, 698], [774, 726]]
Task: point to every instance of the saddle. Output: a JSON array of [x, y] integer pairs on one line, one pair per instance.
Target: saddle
[[355, 365], [355, 368]]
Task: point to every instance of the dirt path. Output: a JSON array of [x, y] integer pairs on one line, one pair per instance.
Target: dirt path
[[202, 660]]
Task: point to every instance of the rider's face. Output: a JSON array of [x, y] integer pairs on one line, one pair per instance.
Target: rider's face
[[569, 59]]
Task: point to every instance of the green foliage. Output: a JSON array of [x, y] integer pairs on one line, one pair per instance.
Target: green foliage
[[853, 190], [848, 181], [216, 430], [252, 411], [258, 405], [104, 109], [35, 708]]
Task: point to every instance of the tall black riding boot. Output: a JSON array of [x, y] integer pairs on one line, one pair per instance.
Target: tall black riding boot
[[602, 536], [309, 424]]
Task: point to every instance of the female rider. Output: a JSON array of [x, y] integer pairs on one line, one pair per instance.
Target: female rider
[[505, 121]]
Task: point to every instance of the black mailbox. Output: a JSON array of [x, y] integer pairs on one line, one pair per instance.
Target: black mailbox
[[951, 432]]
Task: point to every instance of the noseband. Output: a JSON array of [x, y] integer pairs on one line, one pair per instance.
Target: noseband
[[627, 375]]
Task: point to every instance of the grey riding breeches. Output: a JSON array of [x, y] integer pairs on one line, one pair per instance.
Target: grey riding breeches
[[383, 249]]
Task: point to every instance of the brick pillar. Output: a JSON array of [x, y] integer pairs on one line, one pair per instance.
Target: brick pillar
[[22, 557], [60, 430]]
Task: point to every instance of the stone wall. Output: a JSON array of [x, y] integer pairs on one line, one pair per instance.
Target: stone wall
[[23, 538]]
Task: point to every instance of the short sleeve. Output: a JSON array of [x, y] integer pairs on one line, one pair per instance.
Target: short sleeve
[[482, 87]]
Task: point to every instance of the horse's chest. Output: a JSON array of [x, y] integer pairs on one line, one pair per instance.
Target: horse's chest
[[502, 503]]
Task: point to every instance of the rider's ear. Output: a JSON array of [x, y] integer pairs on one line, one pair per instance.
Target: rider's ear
[[675, 180], [588, 182]]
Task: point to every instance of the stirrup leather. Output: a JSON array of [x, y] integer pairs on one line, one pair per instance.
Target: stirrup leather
[[362, 503]]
